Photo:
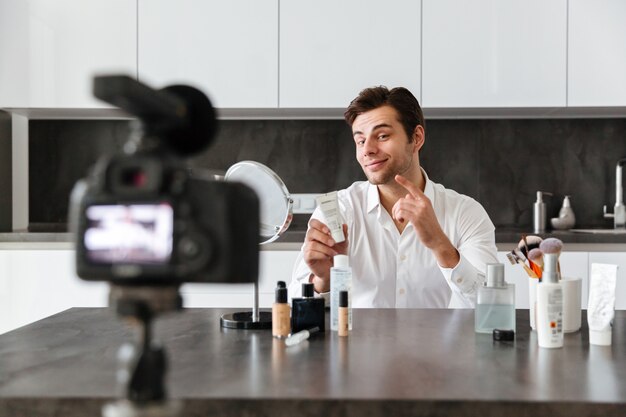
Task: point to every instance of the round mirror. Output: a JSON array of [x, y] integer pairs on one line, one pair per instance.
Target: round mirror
[[275, 202]]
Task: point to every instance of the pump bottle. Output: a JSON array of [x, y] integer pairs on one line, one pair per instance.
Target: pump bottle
[[281, 320]]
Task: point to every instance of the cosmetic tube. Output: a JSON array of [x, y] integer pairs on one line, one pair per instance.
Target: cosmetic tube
[[344, 323], [600, 309], [550, 306], [301, 336], [281, 318], [330, 209]]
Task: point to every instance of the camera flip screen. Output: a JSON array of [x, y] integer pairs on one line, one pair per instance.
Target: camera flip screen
[[129, 234]]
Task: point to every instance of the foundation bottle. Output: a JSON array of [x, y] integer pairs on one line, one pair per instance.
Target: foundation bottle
[[344, 314], [281, 320]]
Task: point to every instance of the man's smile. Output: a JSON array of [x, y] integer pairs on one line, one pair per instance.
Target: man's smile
[[375, 165]]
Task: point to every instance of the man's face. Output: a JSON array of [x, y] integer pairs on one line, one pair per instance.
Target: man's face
[[382, 146]]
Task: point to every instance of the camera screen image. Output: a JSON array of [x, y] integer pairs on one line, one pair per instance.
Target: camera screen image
[[129, 234]]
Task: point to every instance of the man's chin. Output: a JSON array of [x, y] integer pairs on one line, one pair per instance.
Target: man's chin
[[381, 179]]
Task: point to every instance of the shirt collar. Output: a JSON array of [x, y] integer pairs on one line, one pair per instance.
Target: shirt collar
[[373, 199]]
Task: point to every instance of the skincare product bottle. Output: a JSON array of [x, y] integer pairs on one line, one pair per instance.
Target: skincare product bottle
[[344, 326], [281, 320], [495, 302], [307, 312], [549, 305], [601, 307], [340, 280]]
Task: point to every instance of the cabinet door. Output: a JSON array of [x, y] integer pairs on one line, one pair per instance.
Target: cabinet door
[[227, 49], [619, 259], [597, 53], [39, 283], [51, 49], [273, 266], [331, 50], [494, 53], [573, 265]]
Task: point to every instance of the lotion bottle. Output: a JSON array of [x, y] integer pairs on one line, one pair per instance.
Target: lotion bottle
[[281, 320], [549, 308], [340, 280]]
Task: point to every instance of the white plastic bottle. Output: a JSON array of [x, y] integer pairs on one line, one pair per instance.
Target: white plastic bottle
[[340, 280], [550, 306]]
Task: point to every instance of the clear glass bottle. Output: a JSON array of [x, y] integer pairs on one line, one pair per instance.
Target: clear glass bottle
[[495, 302]]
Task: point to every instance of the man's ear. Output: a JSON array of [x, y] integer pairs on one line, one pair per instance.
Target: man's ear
[[418, 137]]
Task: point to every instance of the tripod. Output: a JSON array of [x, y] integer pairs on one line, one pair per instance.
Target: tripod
[[145, 362]]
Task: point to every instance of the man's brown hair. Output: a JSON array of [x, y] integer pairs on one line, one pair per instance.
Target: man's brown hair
[[401, 99]]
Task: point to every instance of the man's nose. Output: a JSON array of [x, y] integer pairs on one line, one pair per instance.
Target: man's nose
[[369, 147]]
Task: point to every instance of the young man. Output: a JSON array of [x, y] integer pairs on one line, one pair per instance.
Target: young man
[[411, 242]]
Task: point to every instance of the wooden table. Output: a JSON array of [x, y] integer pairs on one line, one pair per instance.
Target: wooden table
[[394, 363]]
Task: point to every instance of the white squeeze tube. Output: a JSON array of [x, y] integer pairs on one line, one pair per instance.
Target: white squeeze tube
[[330, 209], [600, 309]]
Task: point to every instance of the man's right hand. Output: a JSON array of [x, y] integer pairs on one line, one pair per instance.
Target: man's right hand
[[319, 249]]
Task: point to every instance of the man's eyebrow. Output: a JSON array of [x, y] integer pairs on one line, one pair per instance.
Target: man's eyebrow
[[358, 132]]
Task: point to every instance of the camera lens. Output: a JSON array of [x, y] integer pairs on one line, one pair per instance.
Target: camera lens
[[134, 177]]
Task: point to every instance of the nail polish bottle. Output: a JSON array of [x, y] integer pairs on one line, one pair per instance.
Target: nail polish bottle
[[307, 312], [281, 322], [344, 314]]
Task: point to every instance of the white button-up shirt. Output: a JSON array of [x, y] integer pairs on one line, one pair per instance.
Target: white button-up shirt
[[393, 269]]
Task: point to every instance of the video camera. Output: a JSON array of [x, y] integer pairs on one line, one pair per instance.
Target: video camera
[[140, 217]]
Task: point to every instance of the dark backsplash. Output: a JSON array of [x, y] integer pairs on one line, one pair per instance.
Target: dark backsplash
[[501, 163]]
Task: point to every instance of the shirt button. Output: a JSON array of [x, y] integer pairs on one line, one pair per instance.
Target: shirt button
[[459, 280], [401, 291], [402, 257]]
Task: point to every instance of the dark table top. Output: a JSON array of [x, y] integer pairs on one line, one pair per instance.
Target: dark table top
[[394, 363]]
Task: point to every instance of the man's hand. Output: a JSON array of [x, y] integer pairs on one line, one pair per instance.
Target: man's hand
[[319, 249], [417, 209]]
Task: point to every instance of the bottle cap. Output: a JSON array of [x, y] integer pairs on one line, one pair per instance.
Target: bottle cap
[[503, 335], [337, 235], [341, 261], [343, 298], [600, 337], [307, 290], [281, 284], [495, 275], [281, 295]]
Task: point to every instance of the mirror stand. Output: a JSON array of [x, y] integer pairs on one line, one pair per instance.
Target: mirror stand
[[250, 320]]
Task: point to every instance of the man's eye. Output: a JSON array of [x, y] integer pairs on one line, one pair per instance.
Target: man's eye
[[383, 137], [360, 142]]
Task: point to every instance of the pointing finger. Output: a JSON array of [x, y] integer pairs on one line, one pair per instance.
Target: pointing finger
[[411, 188]]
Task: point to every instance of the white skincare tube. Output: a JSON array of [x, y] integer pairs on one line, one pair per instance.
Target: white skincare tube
[[330, 209], [600, 309]]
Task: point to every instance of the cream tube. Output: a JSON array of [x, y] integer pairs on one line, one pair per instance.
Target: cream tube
[[330, 209], [600, 309]]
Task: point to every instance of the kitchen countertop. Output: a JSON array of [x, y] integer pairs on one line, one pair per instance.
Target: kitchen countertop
[[396, 362], [506, 239]]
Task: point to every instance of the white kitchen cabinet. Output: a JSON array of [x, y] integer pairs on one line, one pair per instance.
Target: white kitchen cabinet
[[573, 264], [331, 50], [273, 266], [38, 283], [597, 53], [494, 53], [50, 50], [227, 49], [619, 259]]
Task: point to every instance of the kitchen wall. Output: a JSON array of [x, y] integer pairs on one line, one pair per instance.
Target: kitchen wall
[[501, 163]]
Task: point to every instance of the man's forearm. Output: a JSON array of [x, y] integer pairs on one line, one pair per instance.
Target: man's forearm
[[319, 284]]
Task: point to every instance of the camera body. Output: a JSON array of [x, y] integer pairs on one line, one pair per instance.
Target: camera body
[[140, 218]]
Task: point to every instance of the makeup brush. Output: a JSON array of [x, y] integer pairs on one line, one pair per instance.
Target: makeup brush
[[536, 256], [552, 247], [527, 244], [514, 259]]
